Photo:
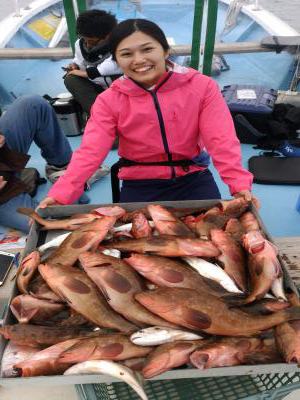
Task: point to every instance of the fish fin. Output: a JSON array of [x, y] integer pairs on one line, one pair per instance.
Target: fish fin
[[63, 296], [29, 212], [79, 352]]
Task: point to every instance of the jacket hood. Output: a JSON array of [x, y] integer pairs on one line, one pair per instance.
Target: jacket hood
[[179, 75]]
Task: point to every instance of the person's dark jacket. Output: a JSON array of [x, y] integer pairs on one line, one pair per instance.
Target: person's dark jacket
[[12, 162]]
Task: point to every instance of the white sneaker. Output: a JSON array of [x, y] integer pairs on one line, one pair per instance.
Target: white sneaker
[[53, 173], [100, 172]]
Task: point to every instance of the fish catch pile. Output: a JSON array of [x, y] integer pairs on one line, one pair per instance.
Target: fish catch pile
[[135, 294]]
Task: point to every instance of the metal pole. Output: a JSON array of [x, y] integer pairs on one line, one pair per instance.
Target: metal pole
[[71, 21], [197, 27], [81, 5], [212, 15]]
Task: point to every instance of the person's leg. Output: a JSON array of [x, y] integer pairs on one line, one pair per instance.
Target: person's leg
[[31, 118], [11, 218], [83, 90]]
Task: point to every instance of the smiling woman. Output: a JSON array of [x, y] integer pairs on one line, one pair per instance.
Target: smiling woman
[[142, 53], [142, 58], [165, 115]]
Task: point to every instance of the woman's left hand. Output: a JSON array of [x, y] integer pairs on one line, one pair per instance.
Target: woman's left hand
[[247, 195]]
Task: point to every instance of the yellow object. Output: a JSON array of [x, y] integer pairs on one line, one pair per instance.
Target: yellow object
[[45, 27]]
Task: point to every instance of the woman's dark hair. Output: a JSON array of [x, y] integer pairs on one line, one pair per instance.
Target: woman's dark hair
[[95, 23], [129, 26]]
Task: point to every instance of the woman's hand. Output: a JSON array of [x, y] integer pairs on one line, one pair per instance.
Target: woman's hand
[[72, 66], [247, 195], [47, 201], [78, 72]]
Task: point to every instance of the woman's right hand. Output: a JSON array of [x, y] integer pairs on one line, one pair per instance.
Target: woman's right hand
[[47, 201]]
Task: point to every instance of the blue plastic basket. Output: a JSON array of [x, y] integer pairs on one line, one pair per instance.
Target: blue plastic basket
[[258, 387]]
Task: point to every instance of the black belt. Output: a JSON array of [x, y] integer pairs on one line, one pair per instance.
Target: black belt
[[124, 162]]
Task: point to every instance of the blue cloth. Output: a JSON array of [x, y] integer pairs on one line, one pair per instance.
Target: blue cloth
[[31, 119], [194, 186], [10, 218], [288, 150]]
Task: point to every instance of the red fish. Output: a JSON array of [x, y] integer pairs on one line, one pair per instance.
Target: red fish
[[249, 222], [140, 226], [168, 246], [166, 223], [288, 341], [104, 347], [204, 312], [45, 362], [235, 207], [26, 270], [263, 264], [212, 219], [168, 356], [76, 288], [85, 238], [13, 354], [36, 335], [119, 283], [168, 272], [68, 224], [27, 308], [227, 352], [232, 257]]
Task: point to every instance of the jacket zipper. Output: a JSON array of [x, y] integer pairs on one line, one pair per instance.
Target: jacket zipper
[[161, 121]]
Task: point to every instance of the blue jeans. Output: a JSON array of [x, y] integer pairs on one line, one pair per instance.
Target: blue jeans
[[31, 119]]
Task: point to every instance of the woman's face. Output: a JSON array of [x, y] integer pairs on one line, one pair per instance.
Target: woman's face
[[142, 58]]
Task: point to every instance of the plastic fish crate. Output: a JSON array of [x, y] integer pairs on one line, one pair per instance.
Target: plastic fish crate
[[259, 387], [235, 382]]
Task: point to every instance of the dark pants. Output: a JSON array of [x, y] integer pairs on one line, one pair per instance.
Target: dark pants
[[195, 186], [83, 90]]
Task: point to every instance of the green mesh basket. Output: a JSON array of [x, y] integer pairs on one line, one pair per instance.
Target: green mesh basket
[[258, 387]]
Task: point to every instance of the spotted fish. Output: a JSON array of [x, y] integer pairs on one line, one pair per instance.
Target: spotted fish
[[204, 312]]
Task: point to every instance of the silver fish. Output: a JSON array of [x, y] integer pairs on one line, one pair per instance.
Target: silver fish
[[133, 379], [57, 241], [277, 289], [112, 252], [214, 272], [127, 227], [156, 335]]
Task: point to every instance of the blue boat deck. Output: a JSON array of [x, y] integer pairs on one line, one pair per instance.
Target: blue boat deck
[[278, 203]]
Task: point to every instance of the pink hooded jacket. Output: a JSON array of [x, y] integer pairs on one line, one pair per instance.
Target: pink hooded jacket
[[183, 114]]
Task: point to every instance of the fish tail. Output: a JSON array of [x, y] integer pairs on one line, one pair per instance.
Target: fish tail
[[29, 212]]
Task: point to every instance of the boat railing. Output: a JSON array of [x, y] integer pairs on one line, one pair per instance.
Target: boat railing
[[179, 50]]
